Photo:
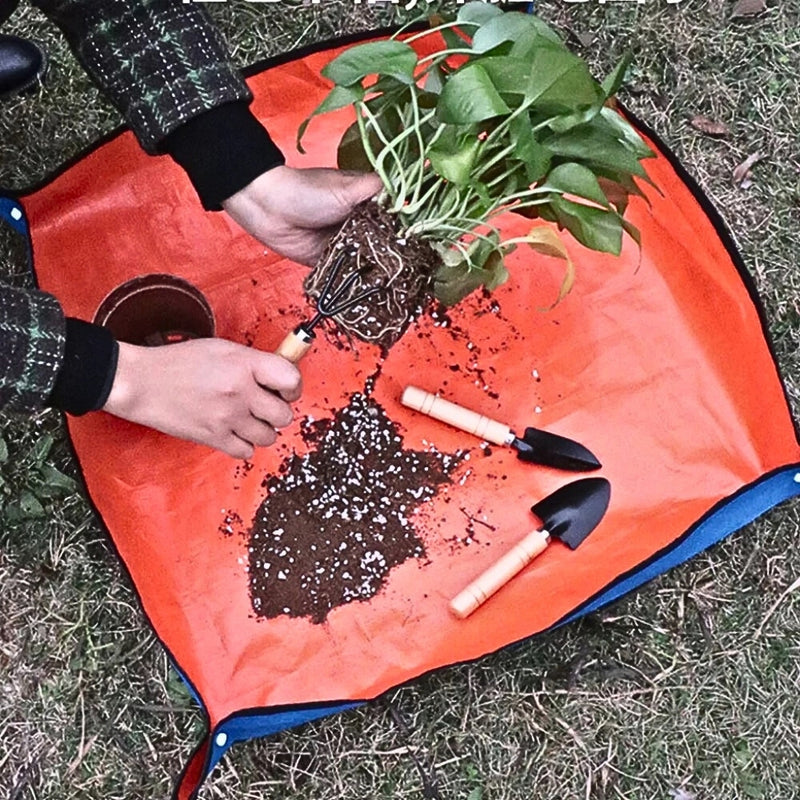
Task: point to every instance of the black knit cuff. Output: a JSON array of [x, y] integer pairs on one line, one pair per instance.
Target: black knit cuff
[[222, 151], [87, 374]]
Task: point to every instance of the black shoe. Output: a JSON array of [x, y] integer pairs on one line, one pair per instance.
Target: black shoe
[[23, 65]]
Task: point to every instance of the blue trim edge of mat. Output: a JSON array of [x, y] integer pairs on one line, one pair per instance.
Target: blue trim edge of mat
[[726, 518]]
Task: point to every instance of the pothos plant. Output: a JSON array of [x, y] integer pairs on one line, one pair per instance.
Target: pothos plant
[[501, 118]]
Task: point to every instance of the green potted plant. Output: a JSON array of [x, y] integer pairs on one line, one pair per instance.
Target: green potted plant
[[501, 118]]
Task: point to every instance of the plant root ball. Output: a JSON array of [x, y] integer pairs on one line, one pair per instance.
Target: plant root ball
[[398, 267]]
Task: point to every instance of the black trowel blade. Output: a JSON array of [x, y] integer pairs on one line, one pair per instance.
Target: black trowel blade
[[572, 512], [552, 450]]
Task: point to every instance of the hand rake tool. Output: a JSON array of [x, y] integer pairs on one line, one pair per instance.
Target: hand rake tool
[[332, 300]]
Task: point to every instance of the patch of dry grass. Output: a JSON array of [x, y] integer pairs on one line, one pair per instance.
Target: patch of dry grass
[[686, 686]]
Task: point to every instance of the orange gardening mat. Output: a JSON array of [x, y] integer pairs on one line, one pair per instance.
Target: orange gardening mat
[[658, 361]]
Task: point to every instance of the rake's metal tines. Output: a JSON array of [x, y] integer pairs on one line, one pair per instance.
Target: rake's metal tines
[[328, 304]]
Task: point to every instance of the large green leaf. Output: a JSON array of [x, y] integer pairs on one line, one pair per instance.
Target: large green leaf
[[497, 272], [616, 194], [389, 89], [618, 126], [592, 100], [598, 229], [594, 147], [544, 211], [561, 79], [434, 82], [615, 78], [554, 78], [550, 76], [528, 150], [552, 82], [452, 284], [477, 12], [388, 57], [482, 247], [513, 27], [508, 75], [502, 28], [351, 153], [469, 96], [454, 38], [563, 122], [455, 279], [631, 230], [625, 180], [572, 178], [544, 31], [453, 155], [338, 97]]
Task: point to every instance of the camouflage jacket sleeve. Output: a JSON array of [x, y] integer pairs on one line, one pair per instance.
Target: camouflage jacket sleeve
[[161, 62]]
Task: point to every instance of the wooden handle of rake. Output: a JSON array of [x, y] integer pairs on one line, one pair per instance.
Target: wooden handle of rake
[[455, 415], [296, 344], [499, 574]]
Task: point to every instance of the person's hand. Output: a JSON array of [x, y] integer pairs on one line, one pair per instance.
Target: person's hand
[[211, 391], [295, 211]]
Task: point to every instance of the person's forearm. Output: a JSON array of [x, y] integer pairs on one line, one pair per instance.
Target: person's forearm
[[32, 338], [164, 65], [162, 62], [88, 368]]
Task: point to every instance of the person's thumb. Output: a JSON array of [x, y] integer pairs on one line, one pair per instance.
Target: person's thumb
[[360, 186]]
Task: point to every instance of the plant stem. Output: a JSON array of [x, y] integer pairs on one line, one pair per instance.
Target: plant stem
[[502, 209], [505, 124], [387, 184], [426, 201], [419, 165], [430, 228], [445, 54], [470, 230], [388, 148], [503, 175], [436, 29], [526, 193], [498, 156]]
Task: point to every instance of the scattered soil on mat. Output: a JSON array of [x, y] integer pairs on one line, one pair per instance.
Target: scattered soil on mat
[[337, 520], [399, 269]]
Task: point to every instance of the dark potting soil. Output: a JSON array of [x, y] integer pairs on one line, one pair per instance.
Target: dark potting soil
[[337, 520], [399, 268]]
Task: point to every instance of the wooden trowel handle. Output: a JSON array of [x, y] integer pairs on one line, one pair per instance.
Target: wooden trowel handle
[[295, 345], [457, 416], [499, 574]]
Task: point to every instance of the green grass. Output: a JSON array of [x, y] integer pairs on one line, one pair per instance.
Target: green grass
[[678, 687]]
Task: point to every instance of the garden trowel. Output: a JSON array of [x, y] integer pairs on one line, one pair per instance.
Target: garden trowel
[[570, 513], [536, 446]]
